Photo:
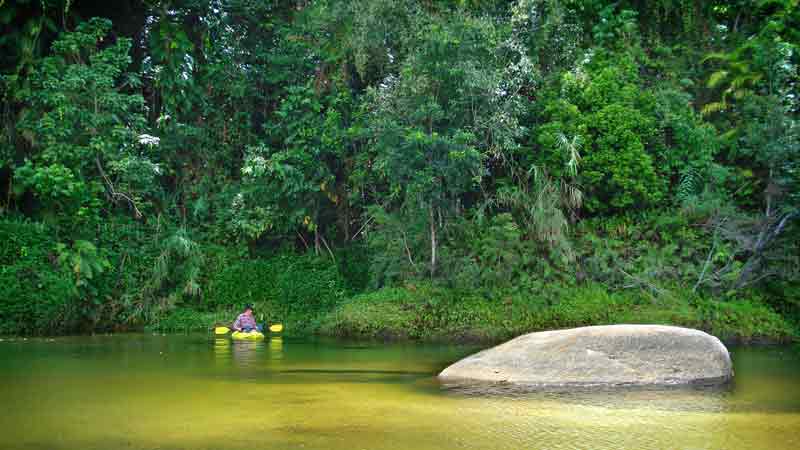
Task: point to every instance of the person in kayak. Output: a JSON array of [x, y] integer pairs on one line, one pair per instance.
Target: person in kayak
[[246, 322]]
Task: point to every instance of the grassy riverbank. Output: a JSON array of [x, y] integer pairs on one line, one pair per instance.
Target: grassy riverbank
[[45, 293], [438, 314], [428, 313]]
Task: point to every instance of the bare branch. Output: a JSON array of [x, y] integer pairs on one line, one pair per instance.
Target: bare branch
[[408, 251], [113, 193], [325, 242], [366, 223], [303, 239], [708, 259]]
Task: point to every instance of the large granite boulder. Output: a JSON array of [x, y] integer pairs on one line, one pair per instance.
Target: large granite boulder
[[601, 355]]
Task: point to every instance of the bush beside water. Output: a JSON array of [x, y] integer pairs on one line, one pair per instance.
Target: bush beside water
[[286, 288], [496, 175], [44, 294], [430, 313], [34, 297]]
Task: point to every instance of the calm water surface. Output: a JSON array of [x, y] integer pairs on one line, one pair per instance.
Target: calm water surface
[[197, 392]]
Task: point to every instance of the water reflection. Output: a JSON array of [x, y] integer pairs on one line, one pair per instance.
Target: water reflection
[[248, 354], [696, 398], [240, 354], [284, 394], [276, 348], [222, 350]]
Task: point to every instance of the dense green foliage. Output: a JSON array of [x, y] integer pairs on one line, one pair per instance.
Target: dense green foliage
[[285, 288], [35, 295], [163, 163], [439, 314]]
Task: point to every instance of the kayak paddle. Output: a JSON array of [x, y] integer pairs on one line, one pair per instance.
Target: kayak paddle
[[275, 328]]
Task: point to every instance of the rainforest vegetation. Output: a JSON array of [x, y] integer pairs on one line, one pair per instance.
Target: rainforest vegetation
[[427, 169]]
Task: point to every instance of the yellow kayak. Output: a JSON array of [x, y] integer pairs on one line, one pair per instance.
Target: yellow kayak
[[249, 336]]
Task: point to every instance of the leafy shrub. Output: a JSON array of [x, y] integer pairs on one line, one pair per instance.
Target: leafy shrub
[[605, 105], [83, 128], [784, 298], [431, 313], [743, 320], [285, 288], [381, 313], [353, 262], [183, 319], [35, 297]]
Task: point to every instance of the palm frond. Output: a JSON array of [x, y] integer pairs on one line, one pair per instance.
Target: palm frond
[[714, 107], [716, 78]]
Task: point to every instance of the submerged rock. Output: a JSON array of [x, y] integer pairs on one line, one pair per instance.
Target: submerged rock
[[604, 355]]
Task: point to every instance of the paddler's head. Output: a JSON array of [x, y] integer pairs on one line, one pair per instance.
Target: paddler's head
[[248, 309]]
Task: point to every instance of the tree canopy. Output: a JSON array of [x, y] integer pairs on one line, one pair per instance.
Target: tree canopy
[[475, 144]]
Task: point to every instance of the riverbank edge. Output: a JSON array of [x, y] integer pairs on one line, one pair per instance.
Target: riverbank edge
[[432, 314], [439, 315]]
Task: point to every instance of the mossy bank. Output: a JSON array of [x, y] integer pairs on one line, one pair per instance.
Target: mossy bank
[[310, 295], [427, 313]]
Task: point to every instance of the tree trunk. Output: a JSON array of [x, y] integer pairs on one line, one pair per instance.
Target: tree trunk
[[433, 241], [317, 245]]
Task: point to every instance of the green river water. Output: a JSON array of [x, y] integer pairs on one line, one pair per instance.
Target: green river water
[[140, 391]]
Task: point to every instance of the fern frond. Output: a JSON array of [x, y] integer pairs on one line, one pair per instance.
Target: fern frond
[[716, 78], [715, 56], [739, 82], [690, 185], [729, 135], [714, 107]]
